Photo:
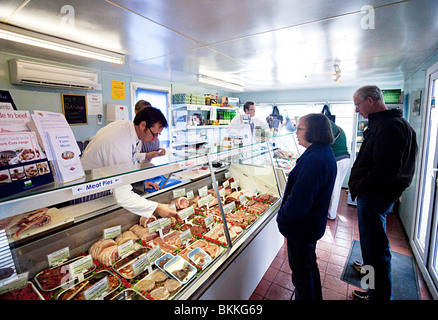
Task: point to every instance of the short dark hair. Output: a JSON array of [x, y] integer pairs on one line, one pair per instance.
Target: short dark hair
[[140, 104], [151, 115], [319, 130], [247, 104]]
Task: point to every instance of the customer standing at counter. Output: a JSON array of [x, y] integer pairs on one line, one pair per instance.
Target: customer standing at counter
[[249, 109], [147, 150], [383, 169], [342, 157], [115, 144], [302, 217]]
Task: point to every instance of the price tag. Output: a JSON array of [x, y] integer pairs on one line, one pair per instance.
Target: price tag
[[229, 207], [98, 290], [58, 257], [209, 220], [190, 195], [125, 248], [222, 193], [110, 233], [192, 107], [243, 199], [184, 214], [235, 185], [226, 183], [153, 255], [185, 236], [205, 200], [227, 175], [173, 207], [16, 282], [140, 265], [79, 267], [255, 192], [203, 191], [179, 193], [154, 226]]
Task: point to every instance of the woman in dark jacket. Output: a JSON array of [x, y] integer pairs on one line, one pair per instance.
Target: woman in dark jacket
[[302, 217]]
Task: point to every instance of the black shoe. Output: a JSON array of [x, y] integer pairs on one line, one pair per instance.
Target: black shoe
[[360, 295], [357, 266]]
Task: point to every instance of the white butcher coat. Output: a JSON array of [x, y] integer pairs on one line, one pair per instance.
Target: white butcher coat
[[116, 144]]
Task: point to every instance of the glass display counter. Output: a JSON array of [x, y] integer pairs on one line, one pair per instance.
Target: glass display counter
[[226, 199]]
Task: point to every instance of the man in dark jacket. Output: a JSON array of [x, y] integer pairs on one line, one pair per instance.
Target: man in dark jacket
[[384, 168]]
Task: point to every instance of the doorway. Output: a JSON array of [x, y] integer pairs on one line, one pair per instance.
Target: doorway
[[425, 233]]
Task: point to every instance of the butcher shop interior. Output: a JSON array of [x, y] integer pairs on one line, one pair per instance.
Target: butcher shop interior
[[88, 212]]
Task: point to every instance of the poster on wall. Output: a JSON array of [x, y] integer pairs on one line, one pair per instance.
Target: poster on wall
[[416, 103], [6, 101], [118, 89], [74, 107], [23, 164]]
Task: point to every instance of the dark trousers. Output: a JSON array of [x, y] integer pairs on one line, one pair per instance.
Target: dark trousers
[[305, 272], [374, 243]]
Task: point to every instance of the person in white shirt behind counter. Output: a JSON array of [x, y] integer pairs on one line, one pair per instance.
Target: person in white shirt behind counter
[[249, 110], [115, 144]]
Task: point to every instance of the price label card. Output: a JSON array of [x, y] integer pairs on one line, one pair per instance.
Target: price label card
[[110, 233], [190, 195], [255, 192], [203, 201], [179, 193], [235, 184], [154, 254], [222, 192], [58, 257], [186, 212], [16, 282], [226, 183], [125, 248], [173, 207], [97, 290], [229, 207], [243, 199], [164, 222], [185, 236], [192, 107], [154, 226], [203, 191], [140, 264], [209, 220], [80, 266], [227, 175]]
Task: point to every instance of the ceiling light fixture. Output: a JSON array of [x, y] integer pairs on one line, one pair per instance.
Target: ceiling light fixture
[[31, 38], [336, 76], [220, 83]]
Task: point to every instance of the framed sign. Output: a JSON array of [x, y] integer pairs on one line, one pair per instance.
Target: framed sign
[[74, 107]]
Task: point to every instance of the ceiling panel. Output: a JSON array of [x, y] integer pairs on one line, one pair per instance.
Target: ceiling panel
[[265, 45]]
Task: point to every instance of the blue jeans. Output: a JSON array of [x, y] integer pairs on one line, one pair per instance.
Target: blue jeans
[[305, 272], [374, 243]]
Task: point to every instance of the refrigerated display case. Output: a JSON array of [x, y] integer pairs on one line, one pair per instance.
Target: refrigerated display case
[[243, 178]]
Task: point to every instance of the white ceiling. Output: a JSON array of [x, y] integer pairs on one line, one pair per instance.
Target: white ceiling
[[261, 44]]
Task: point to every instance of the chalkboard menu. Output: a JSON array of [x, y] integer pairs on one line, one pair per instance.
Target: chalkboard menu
[[74, 107]]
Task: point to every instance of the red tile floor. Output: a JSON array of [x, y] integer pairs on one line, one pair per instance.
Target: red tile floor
[[332, 252]]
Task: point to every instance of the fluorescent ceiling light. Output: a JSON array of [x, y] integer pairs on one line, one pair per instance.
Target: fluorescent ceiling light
[[220, 83], [27, 37]]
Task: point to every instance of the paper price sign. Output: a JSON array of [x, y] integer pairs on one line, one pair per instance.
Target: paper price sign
[[186, 212], [58, 256], [226, 183], [190, 195], [179, 193], [203, 201], [125, 248], [140, 265], [16, 282], [154, 226], [185, 236], [227, 175], [243, 199], [80, 266], [235, 184], [203, 191], [154, 254], [229, 207], [222, 192], [209, 220], [97, 290], [164, 222], [110, 233]]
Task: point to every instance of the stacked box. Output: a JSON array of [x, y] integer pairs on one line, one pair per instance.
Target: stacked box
[[182, 98]]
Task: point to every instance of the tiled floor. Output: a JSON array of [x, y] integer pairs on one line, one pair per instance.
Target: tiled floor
[[332, 251]]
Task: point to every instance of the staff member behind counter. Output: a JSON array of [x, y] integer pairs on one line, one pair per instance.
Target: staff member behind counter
[[115, 144], [249, 110]]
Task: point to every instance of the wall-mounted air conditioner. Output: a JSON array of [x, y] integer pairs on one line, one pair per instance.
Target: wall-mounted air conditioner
[[35, 73]]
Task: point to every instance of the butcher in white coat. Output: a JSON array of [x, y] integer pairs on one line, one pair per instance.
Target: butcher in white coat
[[115, 144]]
